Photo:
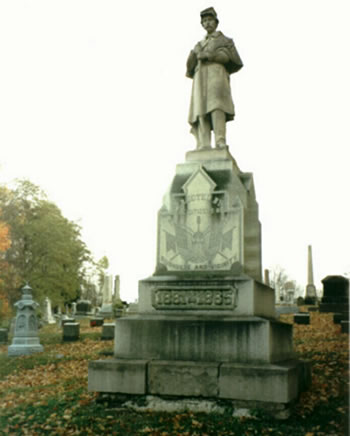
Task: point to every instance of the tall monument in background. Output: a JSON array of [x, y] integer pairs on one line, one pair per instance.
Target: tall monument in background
[[310, 293], [206, 326]]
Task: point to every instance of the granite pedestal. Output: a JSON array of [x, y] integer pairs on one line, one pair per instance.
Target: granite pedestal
[[205, 329]]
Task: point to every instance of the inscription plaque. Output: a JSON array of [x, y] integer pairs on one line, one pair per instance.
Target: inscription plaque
[[194, 297]]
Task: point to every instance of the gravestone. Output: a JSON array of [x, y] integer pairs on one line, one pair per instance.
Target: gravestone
[[310, 293], [302, 318], [335, 294], [83, 308], [106, 310], [96, 322], [71, 331], [206, 327], [108, 331], [67, 320], [25, 339], [48, 316], [74, 308]]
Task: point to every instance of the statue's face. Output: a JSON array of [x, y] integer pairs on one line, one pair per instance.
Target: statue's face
[[209, 23]]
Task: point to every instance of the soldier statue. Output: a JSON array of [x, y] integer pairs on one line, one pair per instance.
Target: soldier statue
[[210, 64]]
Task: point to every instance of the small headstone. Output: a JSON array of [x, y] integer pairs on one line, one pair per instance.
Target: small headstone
[[74, 308], [107, 295], [26, 339], [96, 322], [66, 321], [108, 332], [3, 336], [83, 307], [344, 326], [302, 318], [71, 331], [48, 317], [339, 317]]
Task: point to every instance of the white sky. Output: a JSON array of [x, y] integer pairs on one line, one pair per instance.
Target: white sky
[[94, 103]]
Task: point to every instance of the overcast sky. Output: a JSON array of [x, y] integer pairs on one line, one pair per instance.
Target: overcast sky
[[94, 103]]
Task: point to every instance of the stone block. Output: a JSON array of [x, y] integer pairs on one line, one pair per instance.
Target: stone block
[[118, 375], [302, 318], [338, 317], [3, 336], [66, 321], [280, 383], [230, 295], [108, 332], [344, 326], [71, 331], [96, 322], [183, 378], [205, 339]]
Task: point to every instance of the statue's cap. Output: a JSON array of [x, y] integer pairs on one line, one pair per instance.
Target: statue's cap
[[209, 11]]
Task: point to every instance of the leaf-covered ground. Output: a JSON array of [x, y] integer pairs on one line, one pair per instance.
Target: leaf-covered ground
[[46, 393]]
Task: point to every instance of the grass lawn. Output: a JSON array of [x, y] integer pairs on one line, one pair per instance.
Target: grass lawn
[[46, 393]]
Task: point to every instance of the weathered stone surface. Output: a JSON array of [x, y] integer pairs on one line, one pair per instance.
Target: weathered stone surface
[[118, 375], [279, 383], [71, 331], [183, 378], [108, 331], [199, 338], [209, 220], [234, 295]]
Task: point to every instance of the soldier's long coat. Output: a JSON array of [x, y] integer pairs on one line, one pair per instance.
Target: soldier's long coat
[[211, 81]]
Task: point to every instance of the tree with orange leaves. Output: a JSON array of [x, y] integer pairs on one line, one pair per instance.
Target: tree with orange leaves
[[5, 243]]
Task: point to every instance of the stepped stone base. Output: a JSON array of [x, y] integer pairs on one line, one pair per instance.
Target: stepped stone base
[[275, 384], [198, 338]]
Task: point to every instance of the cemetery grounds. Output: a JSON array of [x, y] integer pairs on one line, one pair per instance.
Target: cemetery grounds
[[46, 393]]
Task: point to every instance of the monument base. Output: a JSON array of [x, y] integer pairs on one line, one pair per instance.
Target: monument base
[[203, 337], [24, 346], [201, 386]]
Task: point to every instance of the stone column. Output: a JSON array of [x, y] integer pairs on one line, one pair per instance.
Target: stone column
[[310, 295]]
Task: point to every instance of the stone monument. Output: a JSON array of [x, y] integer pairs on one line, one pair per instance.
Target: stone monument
[[25, 339], [107, 297], [83, 308], [335, 295], [206, 330], [48, 316], [310, 294]]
